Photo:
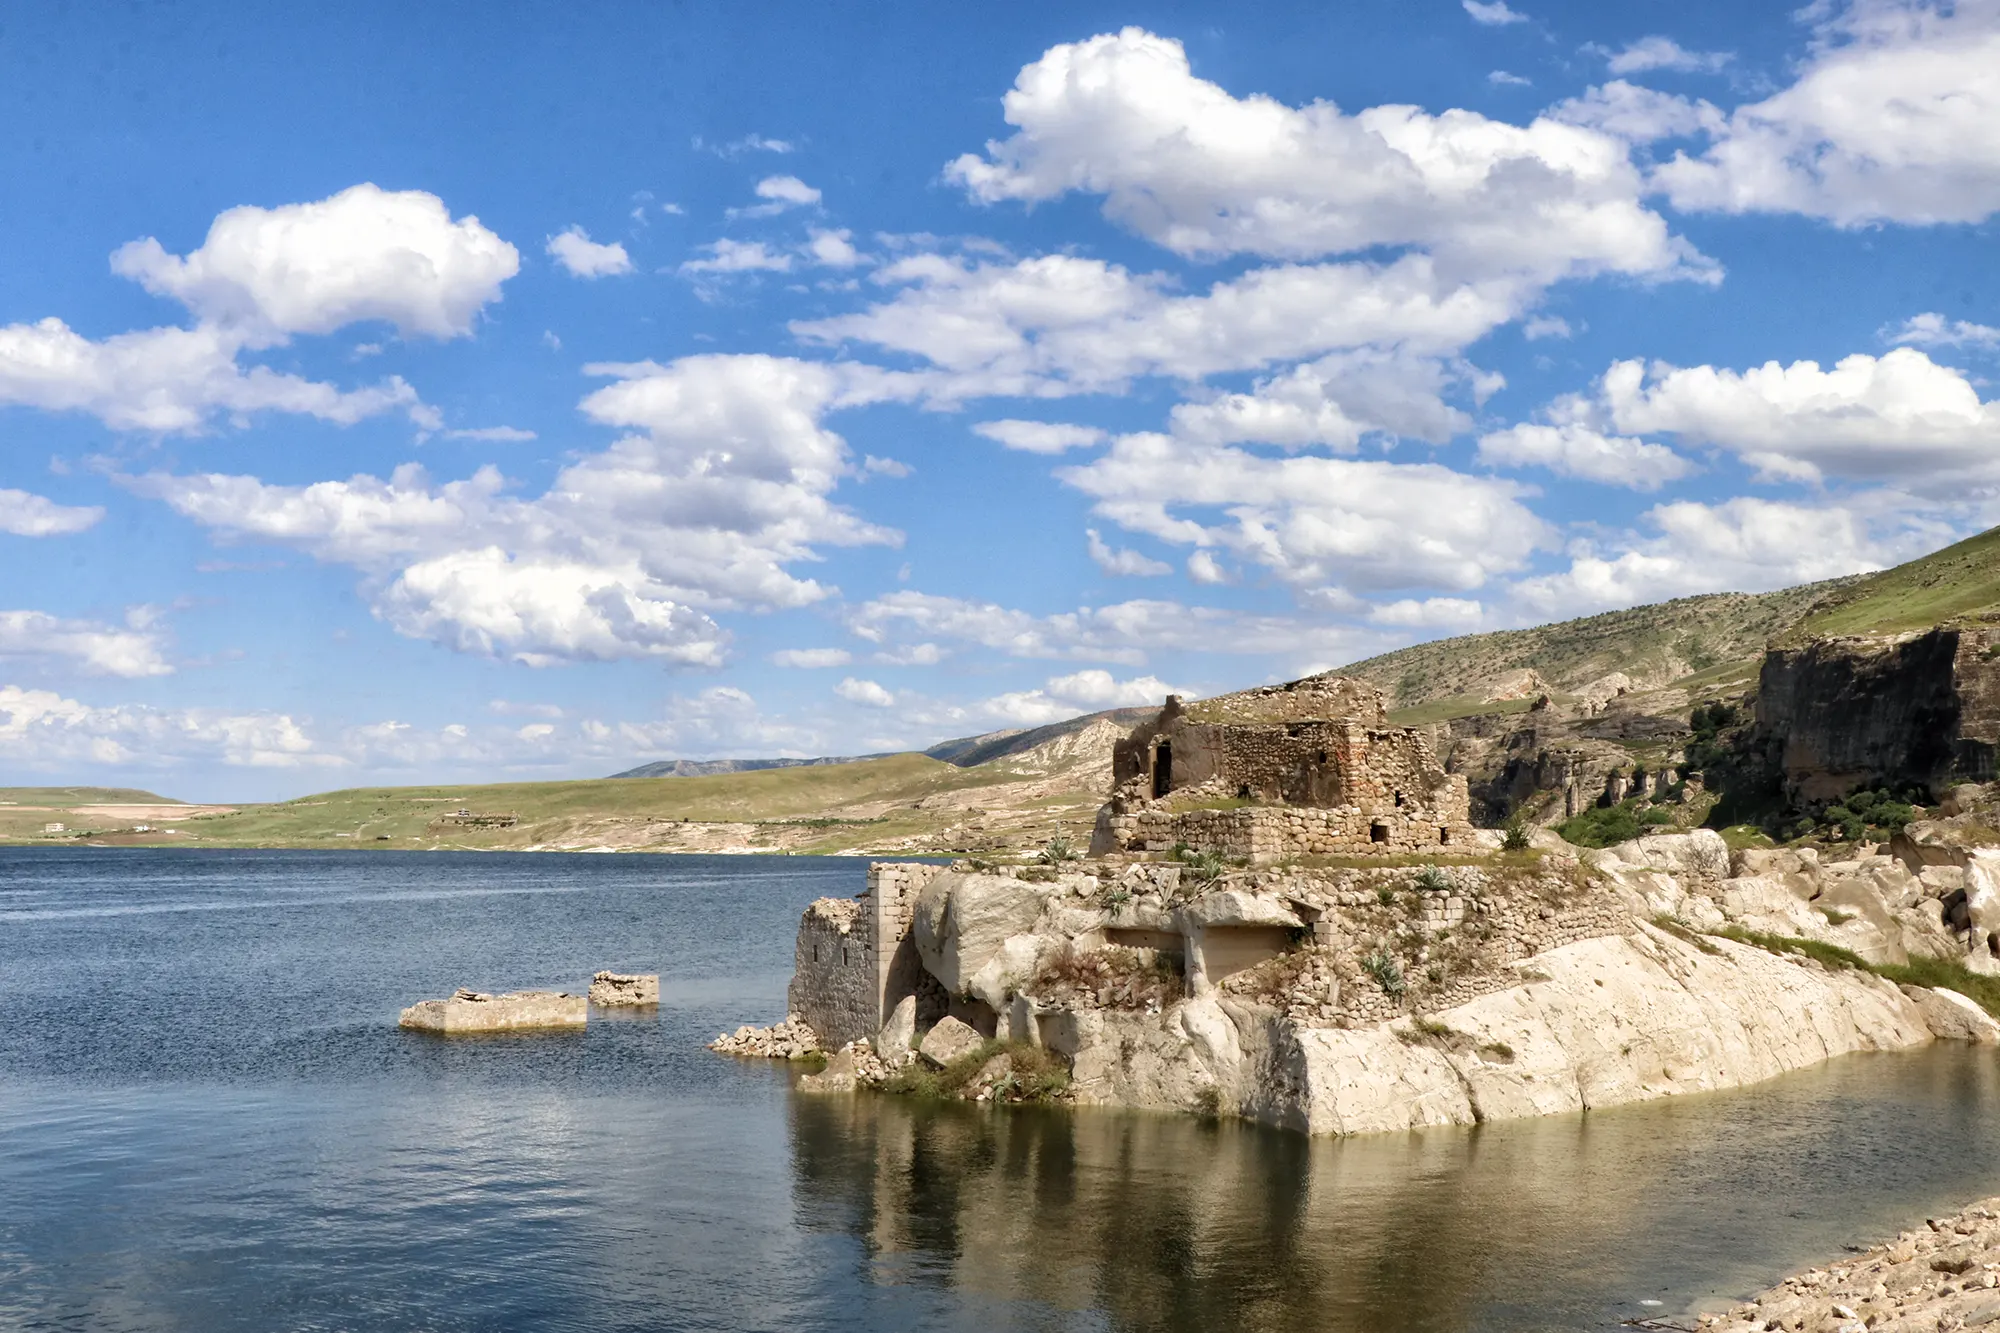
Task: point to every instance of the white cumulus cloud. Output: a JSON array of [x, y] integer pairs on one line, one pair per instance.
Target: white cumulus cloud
[[721, 481], [1123, 562], [582, 257], [1889, 120], [87, 646], [1492, 13], [865, 692], [27, 515], [1039, 437], [1202, 172]]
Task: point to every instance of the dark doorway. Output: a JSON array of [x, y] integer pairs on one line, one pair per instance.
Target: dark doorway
[[1163, 769]]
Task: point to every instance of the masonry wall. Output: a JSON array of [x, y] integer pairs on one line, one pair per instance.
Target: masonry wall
[[1261, 834], [855, 959], [833, 973]]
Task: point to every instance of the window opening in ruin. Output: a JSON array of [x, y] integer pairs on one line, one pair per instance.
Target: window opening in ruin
[[1378, 833], [1399, 800], [1243, 792], [843, 955], [1163, 769], [1444, 835], [1322, 757]]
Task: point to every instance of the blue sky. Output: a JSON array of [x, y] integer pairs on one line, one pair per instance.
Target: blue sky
[[445, 393]]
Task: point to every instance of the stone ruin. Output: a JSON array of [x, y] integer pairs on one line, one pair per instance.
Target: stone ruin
[[1311, 767]]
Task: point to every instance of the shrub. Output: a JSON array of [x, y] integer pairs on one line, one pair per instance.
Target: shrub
[[1433, 879], [1656, 817], [1057, 850], [1514, 835], [1387, 974], [1602, 826], [1384, 894], [1204, 867]]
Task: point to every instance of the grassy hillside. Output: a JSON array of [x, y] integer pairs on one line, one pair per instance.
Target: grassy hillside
[[64, 798], [1653, 643], [1960, 582]]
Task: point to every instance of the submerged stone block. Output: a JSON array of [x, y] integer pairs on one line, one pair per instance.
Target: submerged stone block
[[474, 1011], [611, 989]]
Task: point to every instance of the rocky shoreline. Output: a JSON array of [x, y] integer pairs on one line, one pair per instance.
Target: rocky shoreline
[[1936, 1278]]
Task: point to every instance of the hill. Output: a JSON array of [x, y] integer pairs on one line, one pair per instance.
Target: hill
[[64, 798], [970, 751], [899, 804], [1959, 583], [1653, 645], [708, 768]]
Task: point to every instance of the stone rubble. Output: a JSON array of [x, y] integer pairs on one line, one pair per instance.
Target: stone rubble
[[1937, 1279], [792, 1039], [617, 989]]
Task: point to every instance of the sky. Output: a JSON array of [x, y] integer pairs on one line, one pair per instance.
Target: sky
[[405, 394]]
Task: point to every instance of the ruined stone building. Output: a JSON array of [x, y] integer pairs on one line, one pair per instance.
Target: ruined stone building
[[1308, 767]]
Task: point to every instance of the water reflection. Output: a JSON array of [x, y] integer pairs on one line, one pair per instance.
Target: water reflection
[[1564, 1222]]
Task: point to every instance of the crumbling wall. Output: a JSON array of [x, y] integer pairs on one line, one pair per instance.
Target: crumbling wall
[[1262, 834], [855, 959], [833, 974]]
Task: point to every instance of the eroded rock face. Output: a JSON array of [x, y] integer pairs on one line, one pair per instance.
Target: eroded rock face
[[468, 1011], [1599, 1023], [1842, 713], [964, 922], [614, 989]]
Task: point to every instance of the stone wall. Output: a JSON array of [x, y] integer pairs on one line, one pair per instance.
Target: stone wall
[[854, 959], [1262, 834], [833, 973]]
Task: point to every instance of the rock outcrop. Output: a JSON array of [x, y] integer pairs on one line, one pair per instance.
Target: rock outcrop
[[617, 989], [1348, 1000], [1900, 710], [468, 1011], [789, 1040]]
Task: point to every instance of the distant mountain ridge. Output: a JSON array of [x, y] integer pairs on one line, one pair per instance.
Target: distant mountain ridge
[[959, 752]]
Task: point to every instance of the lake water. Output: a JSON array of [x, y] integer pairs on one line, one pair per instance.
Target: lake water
[[209, 1121]]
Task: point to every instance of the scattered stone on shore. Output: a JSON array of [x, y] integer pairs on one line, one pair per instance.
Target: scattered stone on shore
[[855, 1066], [949, 1040], [611, 989], [475, 1011], [1943, 1277], [789, 1040]]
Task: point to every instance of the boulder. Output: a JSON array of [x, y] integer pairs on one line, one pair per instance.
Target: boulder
[[610, 989], [965, 921], [900, 1031], [474, 1011], [1954, 1017], [840, 1075], [949, 1040]]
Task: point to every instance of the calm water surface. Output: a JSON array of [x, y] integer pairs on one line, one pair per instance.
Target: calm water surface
[[209, 1121]]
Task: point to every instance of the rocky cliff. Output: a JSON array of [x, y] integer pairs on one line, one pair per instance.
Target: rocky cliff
[[1907, 710]]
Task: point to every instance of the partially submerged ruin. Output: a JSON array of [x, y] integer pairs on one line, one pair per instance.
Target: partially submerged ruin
[[1289, 918]]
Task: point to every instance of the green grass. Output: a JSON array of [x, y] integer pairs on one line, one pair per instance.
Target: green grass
[[1959, 582], [1936, 973], [816, 799], [1037, 1076], [1715, 637]]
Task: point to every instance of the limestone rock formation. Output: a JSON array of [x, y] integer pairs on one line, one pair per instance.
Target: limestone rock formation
[[613, 989], [468, 1011], [948, 1041]]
